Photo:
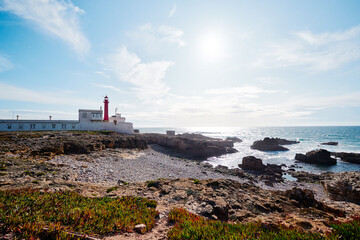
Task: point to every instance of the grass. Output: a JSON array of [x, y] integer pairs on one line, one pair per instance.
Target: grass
[[194, 227], [32, 214]]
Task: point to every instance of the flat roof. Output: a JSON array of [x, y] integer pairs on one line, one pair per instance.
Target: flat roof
[[38, 121], [90, 110]]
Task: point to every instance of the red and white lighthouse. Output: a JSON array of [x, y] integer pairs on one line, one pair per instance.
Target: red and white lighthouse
[[106, 108]]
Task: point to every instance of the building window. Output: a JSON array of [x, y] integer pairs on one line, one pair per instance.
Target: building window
[[44, 126], [84, 115], [32, 126], [63, 126], [73, 126], [53, 126], [21, 127], [9, 127]]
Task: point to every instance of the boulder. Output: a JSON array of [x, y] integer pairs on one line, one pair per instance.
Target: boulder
[[273, 168], [269, 172], [330, 143], [344, 186], [272, 144], [319, 157], [348, 157], [252, 163], [303, 197]]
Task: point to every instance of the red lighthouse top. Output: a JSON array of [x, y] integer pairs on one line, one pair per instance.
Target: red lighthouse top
[[106, 108]]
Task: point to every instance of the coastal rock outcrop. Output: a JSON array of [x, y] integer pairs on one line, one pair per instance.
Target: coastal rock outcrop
[[233, 139], [252, 163], [272, 144], [348, 157], [344, 186], [47, 144], [270, 172], [330, 143], [319, 157], [82, 143], [197, 148], [303, 197]]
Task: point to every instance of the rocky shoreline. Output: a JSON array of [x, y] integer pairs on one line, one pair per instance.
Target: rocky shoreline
[[150, 166]]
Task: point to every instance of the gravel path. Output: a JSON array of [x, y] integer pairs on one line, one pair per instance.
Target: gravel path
[[135, 166], [124, 165]]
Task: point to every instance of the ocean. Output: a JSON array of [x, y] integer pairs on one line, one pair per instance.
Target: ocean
[[310, 138]]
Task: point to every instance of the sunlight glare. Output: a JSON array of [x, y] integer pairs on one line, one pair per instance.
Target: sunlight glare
[[211, 46]]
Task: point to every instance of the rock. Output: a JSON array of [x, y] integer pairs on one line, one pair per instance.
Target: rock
[[305, 225], [348, 157], [252, 163], [140, 228], [233, 139], [344, 186], [77, 143], [319, 157], [236, 172], [330, 143], [304, 198], [273, 168], [221, 168], [269, 172], [206, 165], [197, 148], [220, 208], [271, 144]]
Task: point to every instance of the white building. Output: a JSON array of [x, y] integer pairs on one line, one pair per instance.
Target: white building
[[89, 120]]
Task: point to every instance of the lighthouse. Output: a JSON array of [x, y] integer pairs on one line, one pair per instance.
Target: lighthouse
[[106, 108]]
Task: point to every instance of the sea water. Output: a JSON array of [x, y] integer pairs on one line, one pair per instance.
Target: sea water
[[310, 138]]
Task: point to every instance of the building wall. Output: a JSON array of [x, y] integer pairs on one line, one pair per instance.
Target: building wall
[[89, 120], [125, 127], [38, 125]]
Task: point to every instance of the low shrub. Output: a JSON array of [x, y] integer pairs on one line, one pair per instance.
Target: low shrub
[[32, 214], [191, 226]]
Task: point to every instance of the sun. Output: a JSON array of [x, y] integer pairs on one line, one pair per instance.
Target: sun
[[211, 46]]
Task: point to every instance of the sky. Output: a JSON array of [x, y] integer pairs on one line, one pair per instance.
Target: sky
[[183, 63]]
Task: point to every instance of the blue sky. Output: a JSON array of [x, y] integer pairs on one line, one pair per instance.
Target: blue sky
[[183, 63]]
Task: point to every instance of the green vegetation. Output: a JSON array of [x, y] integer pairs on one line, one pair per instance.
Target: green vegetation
[[32, 214], [109, 190], [191, 226], [347, 230], [196, 181]]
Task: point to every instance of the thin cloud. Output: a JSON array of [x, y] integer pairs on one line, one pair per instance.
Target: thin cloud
[[146, 78], [115, 89], [172, 11], [320, 52], [247, 91], [26, 95], [5, 64], [58, 18], [157, 36]]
